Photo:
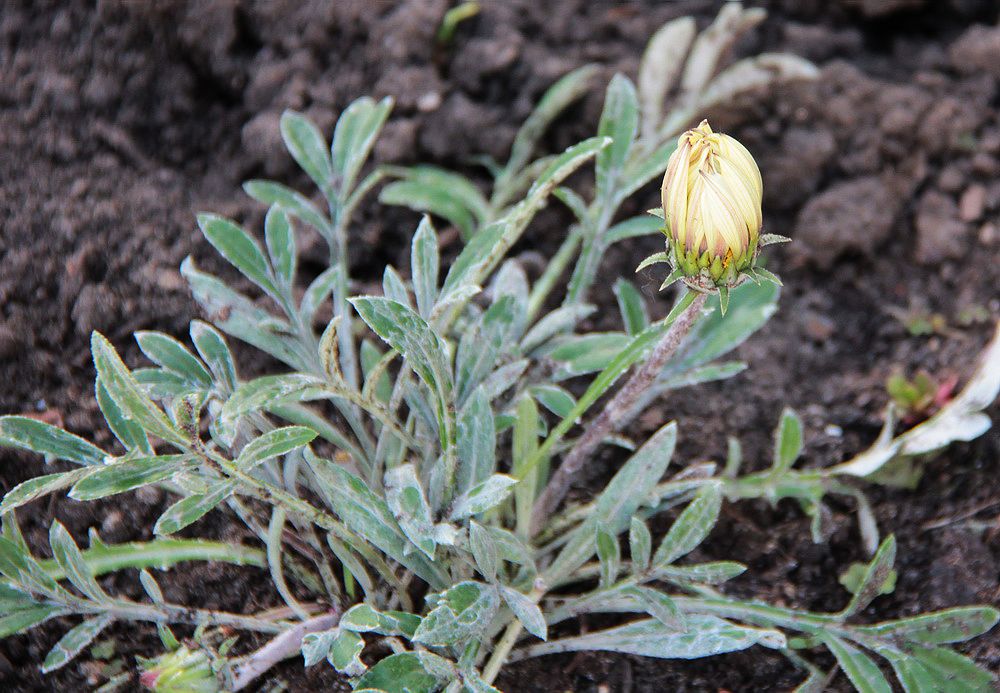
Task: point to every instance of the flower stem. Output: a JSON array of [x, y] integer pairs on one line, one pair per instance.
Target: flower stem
[[613, 414]]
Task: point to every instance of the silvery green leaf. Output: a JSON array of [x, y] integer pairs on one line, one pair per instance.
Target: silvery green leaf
[[863, 673], [643, 225], [214, 351], [317, 292], [238, 316], [939, 627], [476, 442], [756, 73], [660, 67], [39, 486], [640, 170], [307, 146], [410, 335], [554, 398], [874, 577], [523, 446], [304, 416], [560, 320], [266, 392], [26, 618], [705, 636], [511, 548], [315, 646], [620, 499], [555, 99], [608, 553], [23, 571], [699, 374], [296, 204], [511, 280], [952, 671], [459, 189], [409, 506], [619, 121], [161, 384], [640, 544], [462, 612], [483, 496], [280, 239], [126, 474], [658, 605], [484, 551], [45, 439], [424, 264], [480, 347], [167, 352], [67, 554], [475, 256], [351, 563], [71, 644], [354, 136], [588, 353], [345, 653], [527, 612], [884, 449], [574, 202], [654, 259], [369, 516], [193, 507], [635, 317], [394, 287], [691, 527], [503, 378], [243, 252], [363, 618], [400, 673], [787, 442], [422, 195], [280, 441], [562, 166], [127, 431], [150, 586], [711, 573], [712, 43]]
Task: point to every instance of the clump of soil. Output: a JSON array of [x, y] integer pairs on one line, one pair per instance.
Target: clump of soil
[[119, 121]]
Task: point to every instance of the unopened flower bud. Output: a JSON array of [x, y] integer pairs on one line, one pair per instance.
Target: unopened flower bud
[[181, 670], [712, 208]]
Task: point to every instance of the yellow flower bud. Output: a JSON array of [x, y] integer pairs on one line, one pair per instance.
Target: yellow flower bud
[[712, 208]]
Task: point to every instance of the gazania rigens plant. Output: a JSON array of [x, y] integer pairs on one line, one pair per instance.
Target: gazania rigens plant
[[402, 476]]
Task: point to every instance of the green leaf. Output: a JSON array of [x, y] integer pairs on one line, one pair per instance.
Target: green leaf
[[619, 121], [484, 551], [483, 496], [863, 673], [354, 136], [632, 306], [524, 444], [560, 320], [212, 348], [370, 517], [307, 146], [432, 198], [72, 564], [527, 612], [345, 653], [167, 352], [298, 205], [39, 486], [46, 439], [634, 227], [462, 612], [280, 441], [24, 619], [424, 264], [640, 544], [620, 499], [954, 672], [609, 555], [787, 442], [874, 577], [127, 474], [658, 605], [129, 395], [691, 527], [362, 618], [71, 644], [476, 442], [243, 252], [940, 627], [22, 569], [556, 98], [711, 573], [127, 431], [554, 398], [479, 348], [399, 673], [193, 508], [408, 502], [264, 393], [410, 335], [705, 636], [280, 239], [563, 165]]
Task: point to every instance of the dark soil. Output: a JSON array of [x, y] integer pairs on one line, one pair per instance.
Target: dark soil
[[118, 121]]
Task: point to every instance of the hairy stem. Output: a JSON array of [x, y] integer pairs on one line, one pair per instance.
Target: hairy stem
[[287, 644], [612, 415]]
